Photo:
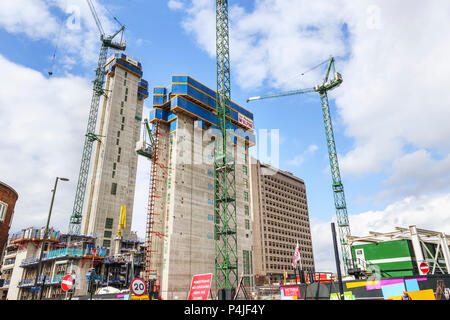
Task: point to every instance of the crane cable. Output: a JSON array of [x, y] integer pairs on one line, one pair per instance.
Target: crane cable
[[58, 37], [313, 68]]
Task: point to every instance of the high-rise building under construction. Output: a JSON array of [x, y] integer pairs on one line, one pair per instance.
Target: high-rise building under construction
[[113, 178], [181, 204]]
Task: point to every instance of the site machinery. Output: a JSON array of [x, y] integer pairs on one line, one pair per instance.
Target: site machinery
[[329, 83], [225, 226], [91, 136]]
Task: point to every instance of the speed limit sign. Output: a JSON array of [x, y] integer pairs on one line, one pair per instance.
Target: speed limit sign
[[138, 287]]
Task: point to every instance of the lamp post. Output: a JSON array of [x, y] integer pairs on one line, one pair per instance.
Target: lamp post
[[45, 236]]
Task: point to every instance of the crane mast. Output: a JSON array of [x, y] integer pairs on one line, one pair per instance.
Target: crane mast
[[225, 226], [328, 84], [91, 136]]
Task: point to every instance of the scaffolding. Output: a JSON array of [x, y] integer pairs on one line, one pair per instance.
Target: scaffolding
[[152, 196]]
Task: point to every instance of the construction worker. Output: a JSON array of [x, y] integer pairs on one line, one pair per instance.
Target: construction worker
[[406, 296]]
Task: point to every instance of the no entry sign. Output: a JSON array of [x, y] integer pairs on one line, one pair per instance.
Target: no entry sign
[[200, 286], [138, 287], [424, 267], [67, 282]]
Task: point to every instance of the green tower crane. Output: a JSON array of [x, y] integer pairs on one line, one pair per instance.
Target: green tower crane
[[225, 226], [98, 91], [338, 189]]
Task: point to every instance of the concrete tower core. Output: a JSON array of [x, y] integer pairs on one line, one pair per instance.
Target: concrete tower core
[[113, 179], [183, 229]]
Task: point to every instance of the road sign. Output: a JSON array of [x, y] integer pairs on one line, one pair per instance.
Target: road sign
[[67, 282], [138, 287], [200, 287], [424, 267]]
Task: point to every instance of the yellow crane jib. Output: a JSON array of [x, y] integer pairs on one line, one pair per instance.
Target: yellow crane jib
[[122, 221]]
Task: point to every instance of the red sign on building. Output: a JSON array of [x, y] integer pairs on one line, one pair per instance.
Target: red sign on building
[[200, 287]]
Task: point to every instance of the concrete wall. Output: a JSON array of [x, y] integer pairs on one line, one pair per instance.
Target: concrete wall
[[115, 159], [188, 207]]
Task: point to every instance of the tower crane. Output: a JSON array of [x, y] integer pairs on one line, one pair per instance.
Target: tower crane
[[225, 226], [329, 83], [145, 147], [90, 137]]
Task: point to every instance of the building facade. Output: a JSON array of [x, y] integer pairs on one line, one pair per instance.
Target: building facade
[[8, 198], [113, 178], [280, 219], [64, 254], [182, 235]]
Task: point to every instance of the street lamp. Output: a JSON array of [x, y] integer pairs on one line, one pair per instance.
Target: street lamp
[[45, 236]]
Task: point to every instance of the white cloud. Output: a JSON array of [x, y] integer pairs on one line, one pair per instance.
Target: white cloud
[[425, 212], [299, 159], [73, 32], [175, 4], [30, 17], [393, 61], [40, 140]]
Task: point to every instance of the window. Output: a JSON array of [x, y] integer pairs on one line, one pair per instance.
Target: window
[[113, 174], [107, 234], [126, 90], [246, 210], [114, 188], [123, 119], [121, 127], [118, 134], [118, 158], [117, 142], [3, 208], [126, 98], [245, 196], [244, 169], [109, 223], [106, 243], [126, 74], [247, 224], [246, 183], [124, 82], [120, 150]]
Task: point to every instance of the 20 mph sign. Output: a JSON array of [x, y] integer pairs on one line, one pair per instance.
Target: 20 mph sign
[[138, 287]]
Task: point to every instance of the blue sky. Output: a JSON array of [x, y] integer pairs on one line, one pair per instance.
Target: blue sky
[[389, 115]]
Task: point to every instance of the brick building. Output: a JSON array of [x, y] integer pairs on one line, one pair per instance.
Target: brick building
[[8, 198]]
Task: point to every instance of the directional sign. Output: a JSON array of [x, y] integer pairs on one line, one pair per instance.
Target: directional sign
[[138, 287], [67, 282], [424, 267]]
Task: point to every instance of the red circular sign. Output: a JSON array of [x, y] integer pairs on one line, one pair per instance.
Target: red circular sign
[[138, 287], [67, 282], [424, 267]]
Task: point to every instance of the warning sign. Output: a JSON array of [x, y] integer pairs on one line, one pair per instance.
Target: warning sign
[[288, 293], [200, 286]]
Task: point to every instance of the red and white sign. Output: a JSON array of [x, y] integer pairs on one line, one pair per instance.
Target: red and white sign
[[200, 287], [290, 292], [138, 287], [67, 282], [424, 267], [245, 121]]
